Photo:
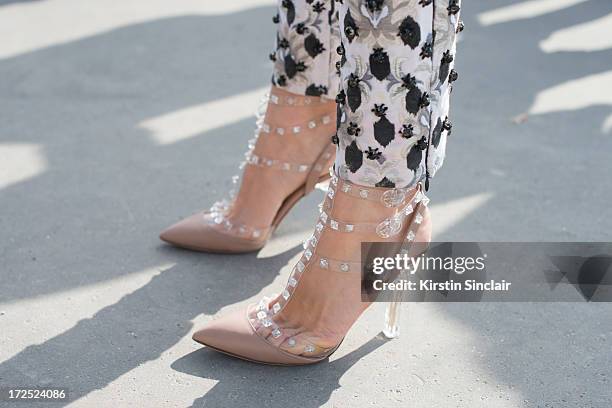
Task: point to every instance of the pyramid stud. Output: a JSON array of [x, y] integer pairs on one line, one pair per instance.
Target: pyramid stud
[[307, 254], [261, 315], [300, 266], [286, 294], [314, 241], [302, 168], [408, 210], [312, 124], [256, 234], [418, 219], [276, 333], [363, 193], [296, 129], [292, 282], [309, 349], [346, 188], [349, 227], [344, 267], [323, 263], [411, 236], [334, 225], [291, 342], [323, 216], [276, 308], [266, 128], [326, 120], [274, 99]]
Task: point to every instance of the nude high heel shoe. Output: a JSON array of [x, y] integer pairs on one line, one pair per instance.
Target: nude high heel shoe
[[281, 330], [215, 231]]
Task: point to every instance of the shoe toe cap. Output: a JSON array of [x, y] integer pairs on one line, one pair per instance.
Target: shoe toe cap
[[197, 233], [233, 334]]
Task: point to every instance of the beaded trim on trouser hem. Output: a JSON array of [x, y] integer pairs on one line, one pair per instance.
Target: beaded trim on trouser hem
[[406, 201]]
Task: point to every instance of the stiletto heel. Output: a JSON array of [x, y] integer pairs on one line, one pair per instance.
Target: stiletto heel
[[392, 317]]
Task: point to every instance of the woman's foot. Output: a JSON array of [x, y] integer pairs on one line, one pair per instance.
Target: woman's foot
[[322, 299], [293, 146]]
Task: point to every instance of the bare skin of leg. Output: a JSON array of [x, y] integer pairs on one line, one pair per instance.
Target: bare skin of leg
[[326, 303], [263, 189]]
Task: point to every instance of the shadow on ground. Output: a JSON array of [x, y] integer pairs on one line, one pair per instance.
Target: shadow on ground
[[94, 213]]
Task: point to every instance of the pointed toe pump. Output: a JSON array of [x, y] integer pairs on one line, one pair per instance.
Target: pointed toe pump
[[217, 230], [307, 322]]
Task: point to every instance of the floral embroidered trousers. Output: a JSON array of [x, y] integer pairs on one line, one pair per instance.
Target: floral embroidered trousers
[[389, 65]]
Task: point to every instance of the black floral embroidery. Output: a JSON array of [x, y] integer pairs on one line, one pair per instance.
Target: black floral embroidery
[[386, 183], [453, 7], [374, 5], [436, 134], [341, 97], [427, 50], [380, 110], [316, 90], [301, 28], [379, 64], [290, 66], [318, 7], [335, 140], [447, 125], [384, 131], [353, 92], [373, 153], [424, 102], [414, 158], [407, 131], [282, 80], [353, 129], [453, 76], [447, 58], [414, 94], [288, 4], [350, 27], [283, 43], [422, 143], [460, 27], [353, 157], [410, 32], [313, 46], [272, 56], [276, 19], [425, 3]]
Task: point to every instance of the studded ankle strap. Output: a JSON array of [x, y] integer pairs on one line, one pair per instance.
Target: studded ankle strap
[[294, 100]]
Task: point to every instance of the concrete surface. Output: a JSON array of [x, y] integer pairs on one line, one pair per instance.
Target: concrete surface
[[118, 118]]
